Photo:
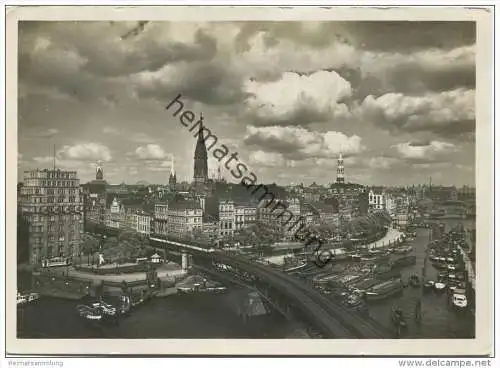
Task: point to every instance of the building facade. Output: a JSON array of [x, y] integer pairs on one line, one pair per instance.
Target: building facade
[[184, 217], [376, 200], [94, 194], [51, 204], [235, 216], [226, 218], [115, 215], [161, 218], [284, 216], [143, 222]]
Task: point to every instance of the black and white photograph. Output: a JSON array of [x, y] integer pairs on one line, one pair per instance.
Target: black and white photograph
[[241, 179]]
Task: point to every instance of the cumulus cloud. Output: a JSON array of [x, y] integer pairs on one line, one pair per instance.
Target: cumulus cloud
[[445, 113], [271, 159], [150, 152], [289, 81], [425, 152], [85, 152], [298, 99], [208, 82], [297, 143], [382, 162]]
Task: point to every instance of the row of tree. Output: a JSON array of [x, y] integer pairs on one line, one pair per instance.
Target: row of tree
[[128, 245]]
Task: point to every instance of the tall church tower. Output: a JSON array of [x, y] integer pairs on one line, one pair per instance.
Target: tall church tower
[[99, 174], [200, 159], [172, 179], [340, 170]]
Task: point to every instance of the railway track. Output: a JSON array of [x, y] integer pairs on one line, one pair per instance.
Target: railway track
[[351, 320], [331, 322]]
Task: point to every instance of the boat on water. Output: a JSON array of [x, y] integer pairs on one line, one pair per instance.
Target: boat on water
[[384, 290], [97, 311], [414, 281], [354, 299], [106, 308], [403, 250], [27, 298], [451, 268], [439, 263], [89, 313], [429, 285], [404, 261], [356, 257], [439, 286], [459, 300]]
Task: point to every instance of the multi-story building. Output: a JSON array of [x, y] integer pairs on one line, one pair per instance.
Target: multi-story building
[[211, 228], [245, 214], [143, 222], [284, 216], [390, 204], [94, 194], [376, 199], [326, 213], [160, 218], [184, 217], [309, 214], [115, 215], [52, 205], [226, 218], [235, 216], [466, 193], [441, 194]]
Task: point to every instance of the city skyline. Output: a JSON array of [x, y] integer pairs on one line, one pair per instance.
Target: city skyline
[[399, 112]]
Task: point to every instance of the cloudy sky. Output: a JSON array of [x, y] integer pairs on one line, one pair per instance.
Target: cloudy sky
[[397, 98]]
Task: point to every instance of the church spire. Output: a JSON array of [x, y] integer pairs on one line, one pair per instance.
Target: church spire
[[200, 157], [172, 167], [99, 174], [172, 179]]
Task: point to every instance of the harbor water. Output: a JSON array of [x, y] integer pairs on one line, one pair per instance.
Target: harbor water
[[207, 315], [439, 319], [178, 316]]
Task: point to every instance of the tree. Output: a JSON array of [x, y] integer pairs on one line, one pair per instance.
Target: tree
[[110, 243], [132, 243], [110, 248], [89, 245]]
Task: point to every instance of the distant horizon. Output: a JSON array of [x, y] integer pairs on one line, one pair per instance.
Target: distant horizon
[[264, 183]]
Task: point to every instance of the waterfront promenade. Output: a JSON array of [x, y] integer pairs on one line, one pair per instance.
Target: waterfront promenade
[[170, 270], [392, 236]]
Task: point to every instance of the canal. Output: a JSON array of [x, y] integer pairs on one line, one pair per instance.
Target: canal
[[439, 319]]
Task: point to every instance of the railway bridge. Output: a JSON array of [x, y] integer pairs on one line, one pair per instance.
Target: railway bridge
[[292, 297]]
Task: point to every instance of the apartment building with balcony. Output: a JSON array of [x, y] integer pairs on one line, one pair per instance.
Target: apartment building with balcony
[[52, 206]]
